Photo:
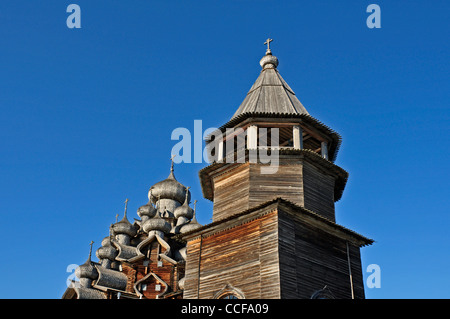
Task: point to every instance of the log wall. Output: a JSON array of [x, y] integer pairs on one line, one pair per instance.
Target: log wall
[[231, 192], [311, 259], [318, 191], [245, 257], [298, 181]]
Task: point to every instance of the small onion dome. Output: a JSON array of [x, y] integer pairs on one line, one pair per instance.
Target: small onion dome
[[156, 223], [87, 270], [184, 210], [169, 188], [107, 251], [106, 241], [124, 227], [269, 61], [192, 225], [146, 210]]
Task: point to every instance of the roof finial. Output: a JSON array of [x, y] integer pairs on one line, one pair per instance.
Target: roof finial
[[268, 45], [126, 205], [194, 219], [171, 175], [90, 250], [187, 195], [117, 216], [171, 158], [268, 61]]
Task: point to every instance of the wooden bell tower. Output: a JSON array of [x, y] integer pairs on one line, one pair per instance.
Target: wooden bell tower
[[273, 184]]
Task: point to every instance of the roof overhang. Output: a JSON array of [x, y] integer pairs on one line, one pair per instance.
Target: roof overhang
[[277, 204], [341, 176]]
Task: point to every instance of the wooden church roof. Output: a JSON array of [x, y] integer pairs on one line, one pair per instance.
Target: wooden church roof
[[270, 94]]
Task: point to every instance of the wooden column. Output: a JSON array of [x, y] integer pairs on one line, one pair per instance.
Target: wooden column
[[297, 135], [220, 151], [252, 137], [324, 150]]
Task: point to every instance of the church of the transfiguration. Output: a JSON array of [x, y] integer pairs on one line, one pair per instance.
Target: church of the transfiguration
[[273, 184]]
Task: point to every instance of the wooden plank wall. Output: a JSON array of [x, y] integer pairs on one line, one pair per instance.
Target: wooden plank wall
[[311, 259], [286, 183], [296, 180], [245, 257], [318, 191], [231, 191]]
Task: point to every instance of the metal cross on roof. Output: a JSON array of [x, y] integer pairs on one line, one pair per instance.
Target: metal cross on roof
[[268, 44]]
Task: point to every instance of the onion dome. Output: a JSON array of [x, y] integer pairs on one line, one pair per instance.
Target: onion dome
[[124, 226], [192, 225], [184, 210], [269, 60], [87, 270], [146, 210], [107, 251], [169, 188], [156, 223]]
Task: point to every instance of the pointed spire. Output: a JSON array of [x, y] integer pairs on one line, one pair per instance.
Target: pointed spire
[[194, 219], [171, 175], [187, 195], [126, 206], [90, 250]]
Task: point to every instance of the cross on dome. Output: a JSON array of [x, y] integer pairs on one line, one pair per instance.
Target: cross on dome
[[268, 43]]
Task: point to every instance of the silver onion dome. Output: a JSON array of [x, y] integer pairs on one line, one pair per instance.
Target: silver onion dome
[[156, 223], [184, 210], [169, 188], [107, 251], [269, 61], [124, 227], [87, 271], [146, 210], [192, 225]]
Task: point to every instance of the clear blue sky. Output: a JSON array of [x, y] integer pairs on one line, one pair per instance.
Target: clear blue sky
[[87, 115]]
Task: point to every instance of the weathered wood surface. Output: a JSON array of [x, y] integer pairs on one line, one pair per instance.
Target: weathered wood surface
[[286, 183], [318, 191], [245, 257], [311, 258], [298, 181], [231, 192], [299, 252]]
